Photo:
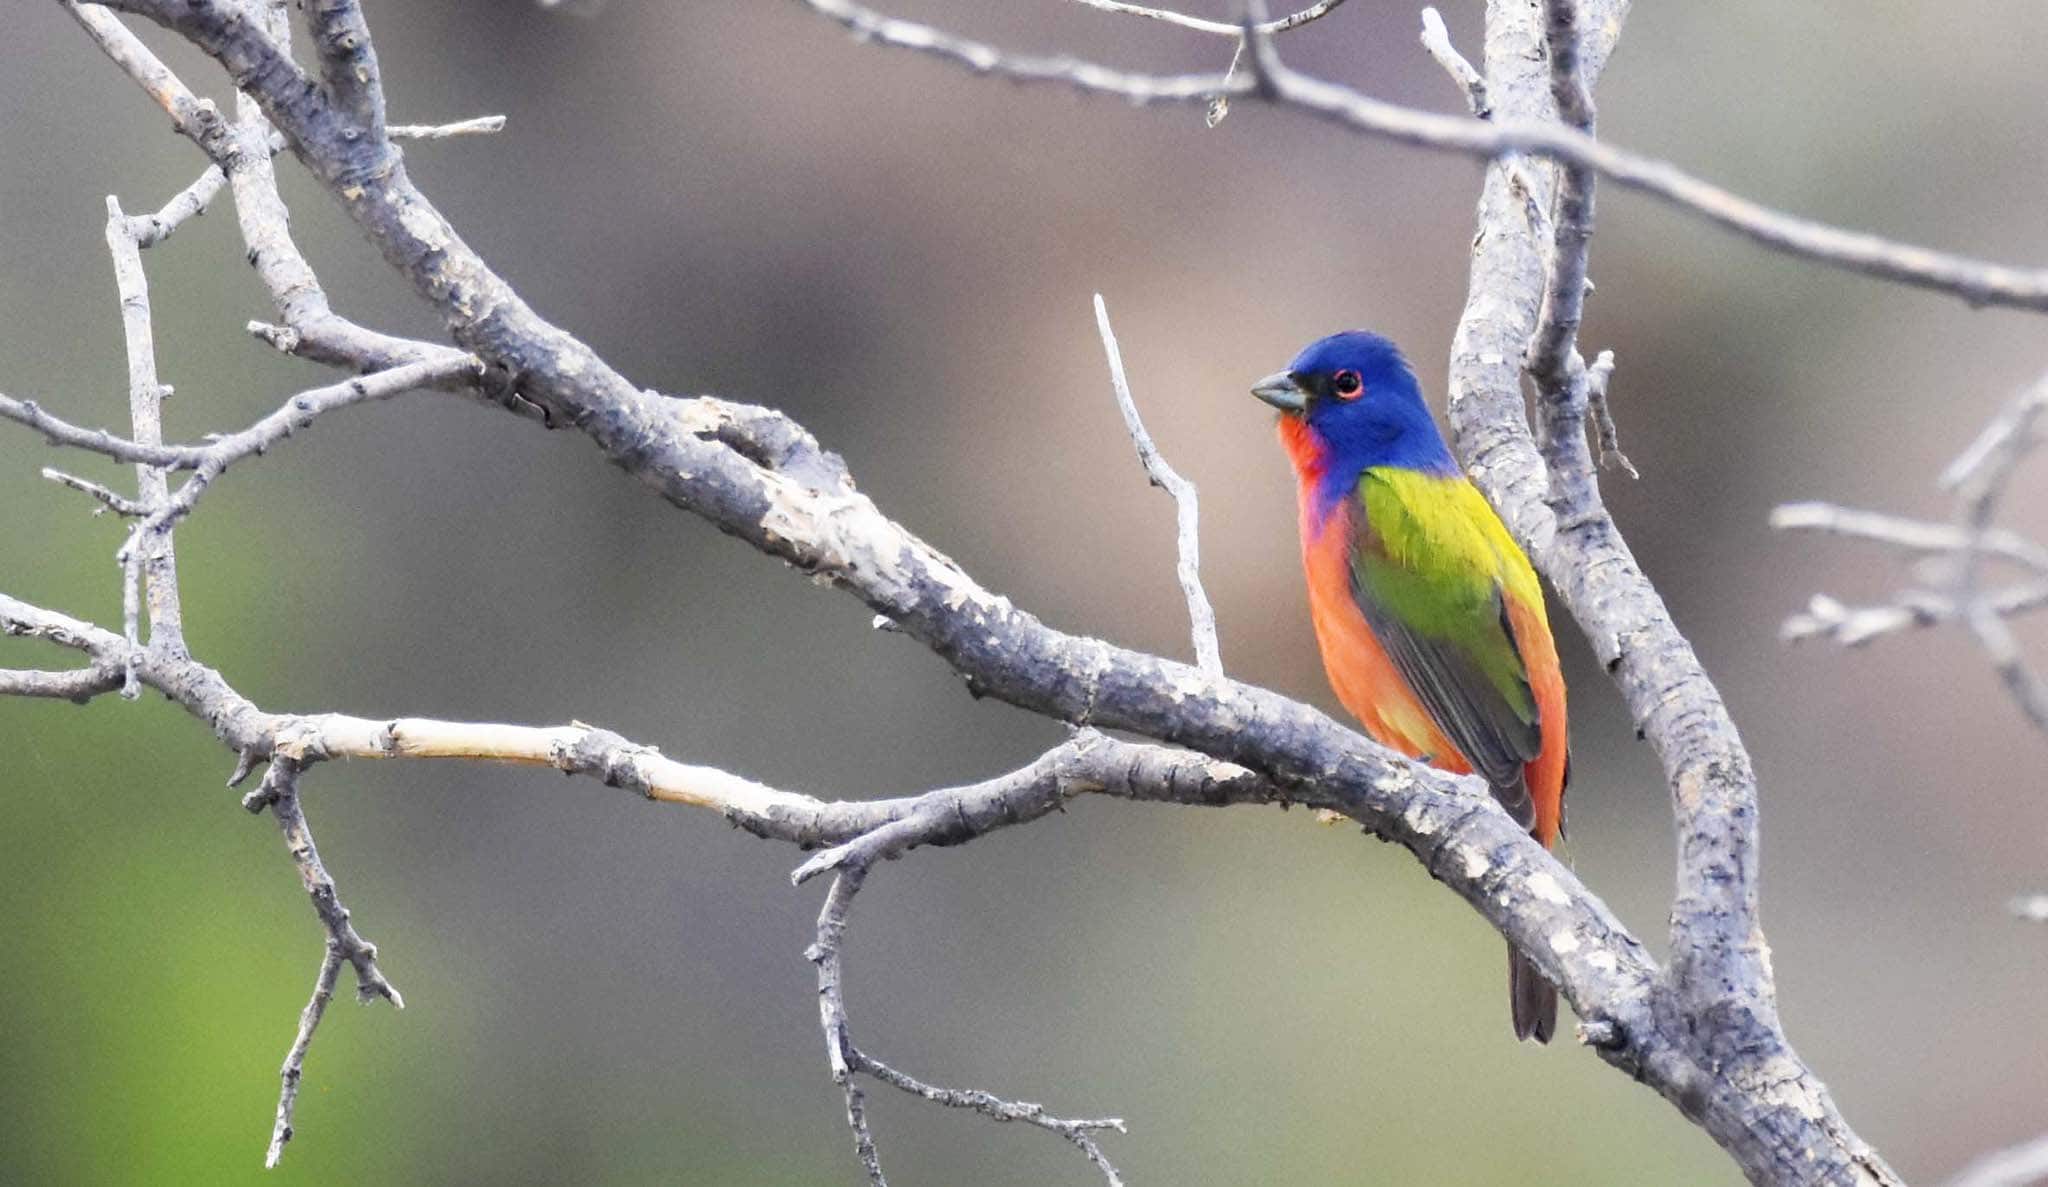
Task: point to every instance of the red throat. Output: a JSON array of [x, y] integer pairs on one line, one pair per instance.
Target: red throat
[[1304, 449]]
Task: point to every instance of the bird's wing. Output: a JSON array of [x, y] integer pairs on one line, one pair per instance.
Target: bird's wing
[[1429, 577]]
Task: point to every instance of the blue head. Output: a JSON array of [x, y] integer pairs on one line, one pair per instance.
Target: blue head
[[1354, 404]]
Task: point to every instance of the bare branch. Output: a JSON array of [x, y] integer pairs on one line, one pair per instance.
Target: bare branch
[[1563, 383], [2002, 442], [1981, 474], [298, 413], [21, 620], [1221, 28], [2014, 1166], [832, 1015], [1219, 106], [348, 63], [151, 229], [1088, 763], [870, 26], [1996, 638], [280, 793], [110, 500], [315, 331], [1853, 626], [101, 441], [192, 116], [1718, 973], [847, 1060], [294, 1068], [1978, 282], [1437, 40], [868, 832], [217, 455], [142, 556], [1258, 46], [1598, 376], [1186, 504], [481, 125], [1564, 295], [80, 685], [148, 548], [1081, 1132], [1912, 535], [1979, 477]]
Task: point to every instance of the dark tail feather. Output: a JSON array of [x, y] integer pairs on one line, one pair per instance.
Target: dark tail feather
[[1532, 998]]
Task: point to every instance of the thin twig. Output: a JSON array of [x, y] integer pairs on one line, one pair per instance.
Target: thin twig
[[1080, 1131], [1980, 477], [148, 544], [1219, 107], [79, 685], [1264, 58], [294, 1068], [280, 792], [1437, 40], [832, 1015], [1912, 535], [479, 126], [190, 202], [1598, 376], [150, 557], [311, 329], [297, 413], [2014, 1166], [192, 116], [1186, 504], [1853, 626], [2010, 662], [1090, 762], [293, 415], [1564, 294], [110, 500], [2007, 431], [1564, 383], [1220, 28], [847, 1060]]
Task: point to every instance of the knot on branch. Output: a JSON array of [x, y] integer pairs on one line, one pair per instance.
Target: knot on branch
[[764, 437], [1603, 1034], [610, 757]]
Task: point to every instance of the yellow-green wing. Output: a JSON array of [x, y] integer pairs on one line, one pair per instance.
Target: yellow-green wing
[[1431, 579]]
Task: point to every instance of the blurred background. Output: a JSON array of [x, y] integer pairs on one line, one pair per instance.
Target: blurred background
[[736, 197]]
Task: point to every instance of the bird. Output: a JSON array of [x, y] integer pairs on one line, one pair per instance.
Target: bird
[[1428, 615]]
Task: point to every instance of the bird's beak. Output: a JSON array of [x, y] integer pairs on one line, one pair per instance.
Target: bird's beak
[[1282, 391]]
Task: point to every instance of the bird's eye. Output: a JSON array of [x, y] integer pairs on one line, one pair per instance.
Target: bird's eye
[[1347, 385]]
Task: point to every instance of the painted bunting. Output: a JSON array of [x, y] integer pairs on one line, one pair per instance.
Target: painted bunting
[[1428, 615]]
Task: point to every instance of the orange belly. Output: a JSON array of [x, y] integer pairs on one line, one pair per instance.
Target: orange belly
[[1364, 679], [1373, 690]]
